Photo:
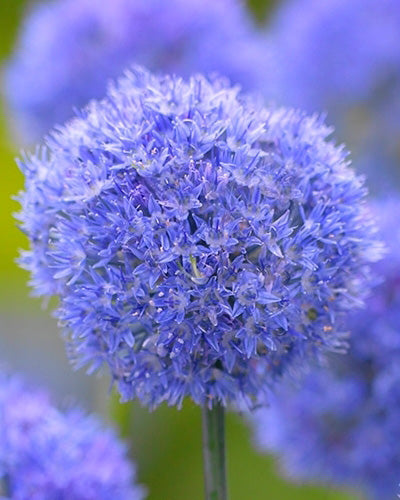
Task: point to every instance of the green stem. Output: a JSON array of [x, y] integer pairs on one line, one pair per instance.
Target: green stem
[[214, 452]]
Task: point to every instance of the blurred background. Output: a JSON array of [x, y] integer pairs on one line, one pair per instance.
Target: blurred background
[[166, 443]]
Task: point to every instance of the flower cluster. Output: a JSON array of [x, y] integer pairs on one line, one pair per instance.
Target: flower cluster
[[344, 58], [68, 49], [190, 233], [46, 454], [342, 424]]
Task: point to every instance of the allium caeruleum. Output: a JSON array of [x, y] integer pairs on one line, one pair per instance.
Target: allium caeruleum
[[341, 424], [189, 233], [68, 49], [343, 57], [46, 454]]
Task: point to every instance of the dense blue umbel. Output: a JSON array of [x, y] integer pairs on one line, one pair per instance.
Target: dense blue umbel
[[341, 424], [69, 49], [47, 454], [190, 233]]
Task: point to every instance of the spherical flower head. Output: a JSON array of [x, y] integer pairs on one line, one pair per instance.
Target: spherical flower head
[[190, 233], [341, 424], [69, 49], [344, 58], [47, 454]]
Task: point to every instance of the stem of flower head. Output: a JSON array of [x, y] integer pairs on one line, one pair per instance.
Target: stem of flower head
[[214, 452]]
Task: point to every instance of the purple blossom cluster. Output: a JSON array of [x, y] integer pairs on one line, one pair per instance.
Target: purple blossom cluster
[[343, 58], [341, 424], [200, 244], [69, 49], [46, 454]]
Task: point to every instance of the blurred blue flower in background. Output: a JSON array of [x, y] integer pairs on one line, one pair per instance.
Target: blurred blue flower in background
[[343, 57], [46, 454], [69, 49], [190, 232], [341, 424]]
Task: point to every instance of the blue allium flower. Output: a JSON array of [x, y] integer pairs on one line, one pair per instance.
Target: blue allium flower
[[68, 49], [343, 57], [46, 454], [341, 425], [189, 233]]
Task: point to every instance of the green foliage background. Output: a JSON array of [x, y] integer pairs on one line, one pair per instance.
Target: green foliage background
[[166, 443]]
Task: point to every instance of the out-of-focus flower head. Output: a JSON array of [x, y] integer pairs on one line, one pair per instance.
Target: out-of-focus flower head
[[344, 58], [69, 49], [341, 424], [47, 454], [189, 233]]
